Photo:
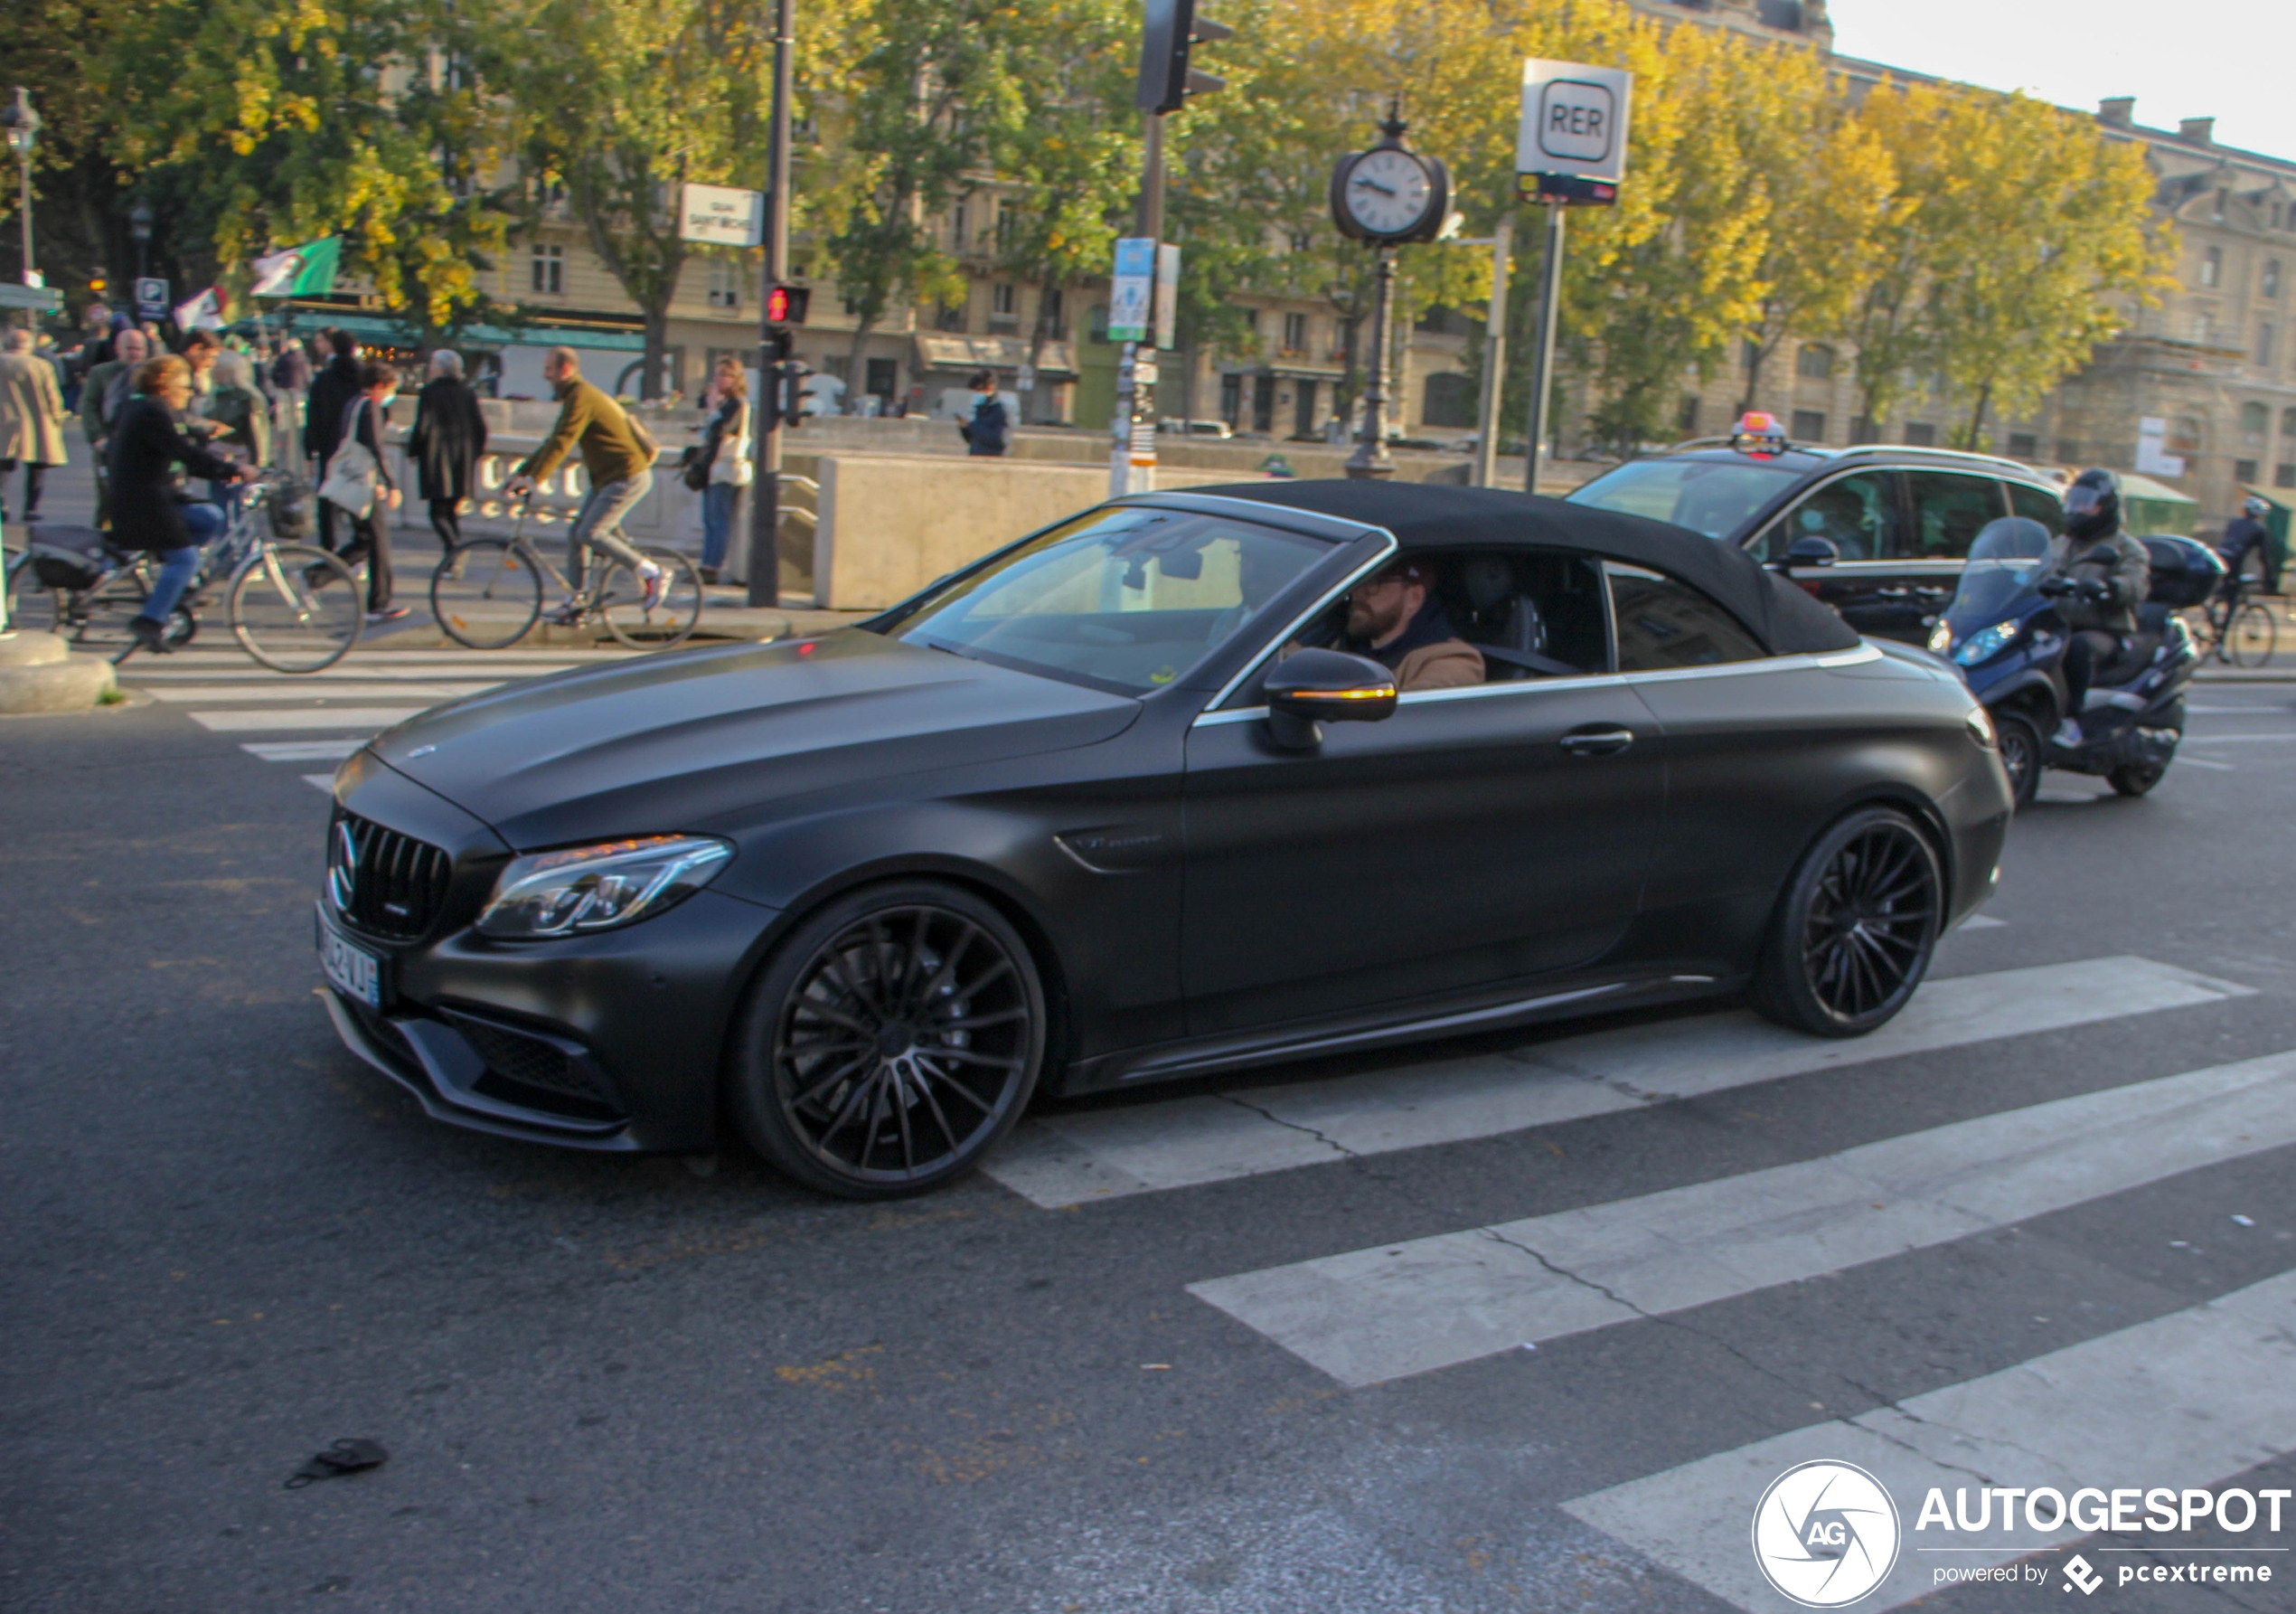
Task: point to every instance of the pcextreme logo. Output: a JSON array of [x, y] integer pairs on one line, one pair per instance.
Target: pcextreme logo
[[1826, 1533]]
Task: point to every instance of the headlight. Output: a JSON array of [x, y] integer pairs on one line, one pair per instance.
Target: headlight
[[597, 888], [1941, 638], [1985, 644], [1981, 726]]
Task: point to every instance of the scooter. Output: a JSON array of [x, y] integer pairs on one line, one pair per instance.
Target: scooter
[[2006, 635]]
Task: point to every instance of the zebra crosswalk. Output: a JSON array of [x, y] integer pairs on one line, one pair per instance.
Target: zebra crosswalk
[[2196, 1395], [333, 712]]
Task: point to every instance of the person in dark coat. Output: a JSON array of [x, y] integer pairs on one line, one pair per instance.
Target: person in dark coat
[[990, 430], [332, 390], [363, 421], [2244, 534], [148, 443], [448, 436]]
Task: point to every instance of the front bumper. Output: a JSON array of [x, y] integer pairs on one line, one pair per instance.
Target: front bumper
[[612, 1042]]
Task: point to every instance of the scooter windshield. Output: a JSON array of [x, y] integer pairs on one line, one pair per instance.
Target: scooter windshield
[[2004, 561]]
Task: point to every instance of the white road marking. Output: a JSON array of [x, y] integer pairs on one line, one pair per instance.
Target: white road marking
[[369, 718], [1980, 922], [2186, 1400], [1073, 1159], [1393, 1311], [341, 673], [2203, 762], [395, 690], [302, 750], [2231, 739], [322, 781]]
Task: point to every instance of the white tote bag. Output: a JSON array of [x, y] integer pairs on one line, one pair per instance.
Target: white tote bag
[[349, 482]]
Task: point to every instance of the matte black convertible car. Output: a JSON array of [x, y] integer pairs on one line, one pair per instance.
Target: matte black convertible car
[[1086, 815]]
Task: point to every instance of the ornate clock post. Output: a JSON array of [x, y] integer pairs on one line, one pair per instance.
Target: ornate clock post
[[1384, 197]]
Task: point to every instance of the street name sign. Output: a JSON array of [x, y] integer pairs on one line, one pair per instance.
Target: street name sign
[[722, 216], [1574, 120]]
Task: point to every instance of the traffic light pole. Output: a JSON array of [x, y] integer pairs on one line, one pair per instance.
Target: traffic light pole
[[765, 503], [1135, 398], [1494, 357], [1542, 367]]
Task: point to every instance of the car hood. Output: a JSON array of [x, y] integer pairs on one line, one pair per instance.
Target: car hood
[[695, 740]]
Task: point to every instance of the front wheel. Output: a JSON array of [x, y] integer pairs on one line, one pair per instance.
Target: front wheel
[[296, 607], [1855, 928], [890, 1042], [2250, 637], [487, 593], [670, 620], [2020, 757]]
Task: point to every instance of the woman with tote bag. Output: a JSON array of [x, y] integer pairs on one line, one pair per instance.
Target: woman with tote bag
[[359, 484]]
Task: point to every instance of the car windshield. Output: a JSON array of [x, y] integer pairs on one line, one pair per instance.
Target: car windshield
[[1714, 497], [1126, 599], [2002, 564]]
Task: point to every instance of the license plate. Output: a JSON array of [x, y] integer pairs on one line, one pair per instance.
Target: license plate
[[355, 970]]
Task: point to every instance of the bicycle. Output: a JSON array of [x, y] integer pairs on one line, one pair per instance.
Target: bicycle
[[294, 607], [487, 593], [2238, 630]]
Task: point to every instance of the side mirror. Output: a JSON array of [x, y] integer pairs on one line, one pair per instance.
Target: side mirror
[[1812, 551], [1310, 687]]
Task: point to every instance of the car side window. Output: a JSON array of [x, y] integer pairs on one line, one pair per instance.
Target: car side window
[[1664, 624], [1950, 509], [2037, 504], [1857, 513]]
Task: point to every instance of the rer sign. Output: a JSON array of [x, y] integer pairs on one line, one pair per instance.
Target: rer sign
[[1574, 120]]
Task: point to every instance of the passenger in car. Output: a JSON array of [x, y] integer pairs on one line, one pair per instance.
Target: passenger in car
[[1394, 618]]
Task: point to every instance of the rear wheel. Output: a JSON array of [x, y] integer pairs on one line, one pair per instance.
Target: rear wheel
[[2250, 637], [670, 620], [2135, 780], [889, 1044], [2020, 756], [1855, 930], [486, 593], [296, 608]]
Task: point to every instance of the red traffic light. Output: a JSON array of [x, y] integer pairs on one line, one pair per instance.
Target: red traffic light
[[786, 305]]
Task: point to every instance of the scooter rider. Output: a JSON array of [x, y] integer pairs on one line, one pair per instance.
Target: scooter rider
[[2100, 575]]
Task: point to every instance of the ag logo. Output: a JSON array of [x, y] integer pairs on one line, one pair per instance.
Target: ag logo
[[2081, 1572], [1825, 1533]]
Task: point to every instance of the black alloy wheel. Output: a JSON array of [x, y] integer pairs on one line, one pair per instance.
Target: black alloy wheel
[[1856, 929], [2020, 743], [890, 1042]]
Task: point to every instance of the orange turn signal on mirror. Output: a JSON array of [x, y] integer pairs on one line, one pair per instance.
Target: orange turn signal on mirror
[[1338, 695]]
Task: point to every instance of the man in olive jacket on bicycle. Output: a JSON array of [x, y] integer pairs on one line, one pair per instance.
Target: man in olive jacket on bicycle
[[619, 465]]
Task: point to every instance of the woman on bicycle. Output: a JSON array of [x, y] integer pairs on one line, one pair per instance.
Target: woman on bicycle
[[148, 508]]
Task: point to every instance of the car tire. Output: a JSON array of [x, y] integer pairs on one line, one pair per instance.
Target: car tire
[[889, 1042], [2020, 742], [1855, 928]]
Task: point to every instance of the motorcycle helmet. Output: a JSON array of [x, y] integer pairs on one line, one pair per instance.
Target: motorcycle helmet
[[2092, 505], [2253, 508]]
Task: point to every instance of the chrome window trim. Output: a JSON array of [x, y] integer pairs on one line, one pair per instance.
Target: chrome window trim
[[1212, 707], [1799, 662]]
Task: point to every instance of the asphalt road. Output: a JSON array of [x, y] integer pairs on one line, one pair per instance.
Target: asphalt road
[[1162, 1359]]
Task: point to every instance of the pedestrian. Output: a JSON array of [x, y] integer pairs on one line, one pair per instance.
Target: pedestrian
[[990, 430], [448, 436], [97, 414], [332, 390], [290, 380], [619, 461], [2246, 533], [146, 444], [361, 421], [721, 464], [32, 420], [242, 414]]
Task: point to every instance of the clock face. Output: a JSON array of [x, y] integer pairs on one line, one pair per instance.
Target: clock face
[[1388, 192]]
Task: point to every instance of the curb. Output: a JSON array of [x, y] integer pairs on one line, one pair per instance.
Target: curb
[[38, 673]]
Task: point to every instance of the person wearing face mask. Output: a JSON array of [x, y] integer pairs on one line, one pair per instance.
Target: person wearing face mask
[[147, 442], [363, 417]]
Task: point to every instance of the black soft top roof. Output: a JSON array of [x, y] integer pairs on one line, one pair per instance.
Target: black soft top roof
[[1438, 516]]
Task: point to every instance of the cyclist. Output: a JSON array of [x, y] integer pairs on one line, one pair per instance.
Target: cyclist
[[620, 467], [147, 442], [2243, 533]]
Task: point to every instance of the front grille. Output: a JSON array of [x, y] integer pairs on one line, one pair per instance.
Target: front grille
[[384, 882]]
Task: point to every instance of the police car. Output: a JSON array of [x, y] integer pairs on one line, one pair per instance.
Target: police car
[[1879, 531]]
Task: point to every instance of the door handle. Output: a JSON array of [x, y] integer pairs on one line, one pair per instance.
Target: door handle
[[1596, 742]]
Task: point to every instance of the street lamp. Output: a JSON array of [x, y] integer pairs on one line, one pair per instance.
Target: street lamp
[[22, 127], [139, 227]]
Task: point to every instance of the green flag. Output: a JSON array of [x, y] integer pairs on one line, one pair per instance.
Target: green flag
[[307, 271]]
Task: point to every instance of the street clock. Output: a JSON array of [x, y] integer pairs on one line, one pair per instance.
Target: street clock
[[1390, 194]]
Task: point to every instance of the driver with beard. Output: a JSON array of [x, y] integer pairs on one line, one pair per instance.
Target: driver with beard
[[1394, 618]]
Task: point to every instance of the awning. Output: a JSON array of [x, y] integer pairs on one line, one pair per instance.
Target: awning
[[383, 328], [952, 351], [1291, 369]]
